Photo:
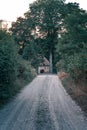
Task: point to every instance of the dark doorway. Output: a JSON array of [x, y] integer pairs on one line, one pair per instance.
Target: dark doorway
[[42, 71]]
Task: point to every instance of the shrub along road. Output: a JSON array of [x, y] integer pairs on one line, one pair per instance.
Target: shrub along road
[[43, 105]]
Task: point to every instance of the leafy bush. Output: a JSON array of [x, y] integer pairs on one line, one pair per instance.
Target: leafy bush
[[75, 65], [24, 69]]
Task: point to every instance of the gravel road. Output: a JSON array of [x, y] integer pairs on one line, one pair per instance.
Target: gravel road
[[43, 105]]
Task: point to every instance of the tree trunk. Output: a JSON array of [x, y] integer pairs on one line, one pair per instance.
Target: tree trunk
[[51, 64]]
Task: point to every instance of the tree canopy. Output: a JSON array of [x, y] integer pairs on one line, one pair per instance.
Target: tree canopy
[[42, 22], [52, 29]]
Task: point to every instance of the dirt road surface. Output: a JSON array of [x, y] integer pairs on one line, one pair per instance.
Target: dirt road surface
[[43, 105]]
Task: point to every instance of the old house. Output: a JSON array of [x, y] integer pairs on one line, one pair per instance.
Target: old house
[[44, 67], [5, 25]]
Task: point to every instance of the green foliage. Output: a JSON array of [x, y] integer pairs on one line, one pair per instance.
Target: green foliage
[[48, 16], [38, 34], [41, 24], [75, 65], [73, 42], [24, 70], [33, 54], [15, 72], [7, 64]]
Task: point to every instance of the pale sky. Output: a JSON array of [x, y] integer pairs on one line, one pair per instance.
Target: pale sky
[[82, 3], [11, 9]]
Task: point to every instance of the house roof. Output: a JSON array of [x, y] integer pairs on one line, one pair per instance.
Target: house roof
[[45, 62]]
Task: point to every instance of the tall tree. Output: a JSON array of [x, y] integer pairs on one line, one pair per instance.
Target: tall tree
[[73, 42], [48, 17], [42, 23]]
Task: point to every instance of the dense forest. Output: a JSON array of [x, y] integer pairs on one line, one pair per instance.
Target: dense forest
[[52, 29]]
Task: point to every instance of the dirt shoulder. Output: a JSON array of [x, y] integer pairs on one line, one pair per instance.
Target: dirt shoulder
[[78, 91]]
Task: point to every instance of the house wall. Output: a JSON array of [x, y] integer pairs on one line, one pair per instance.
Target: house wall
[[45, 68], [5, 25]]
